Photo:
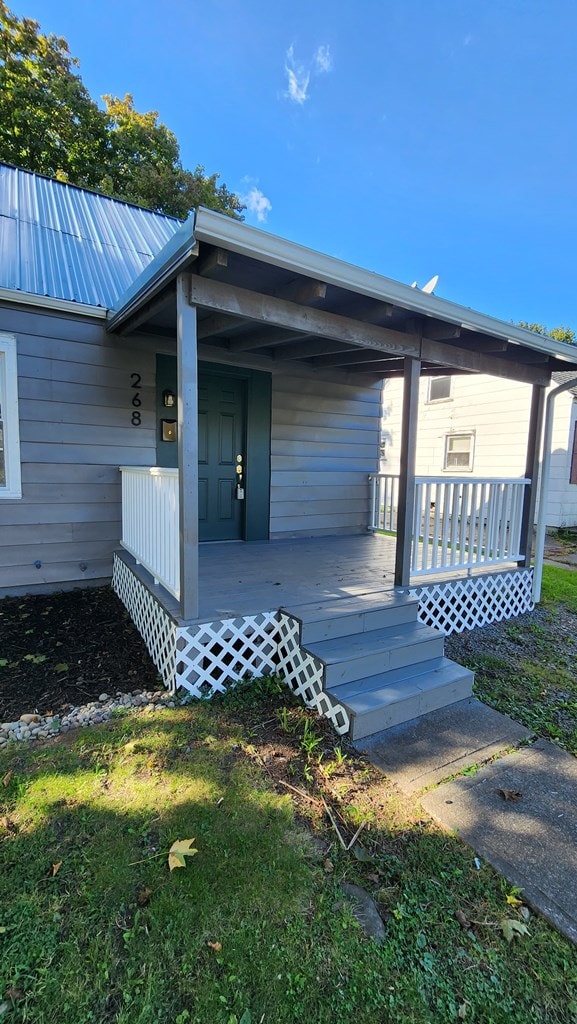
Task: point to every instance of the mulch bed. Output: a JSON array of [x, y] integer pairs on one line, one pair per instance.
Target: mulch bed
[[66, 649]]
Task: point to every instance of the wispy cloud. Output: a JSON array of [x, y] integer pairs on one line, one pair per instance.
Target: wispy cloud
[[468, 39], [299, 75], [298, 78], [256, 202], [323, 60]]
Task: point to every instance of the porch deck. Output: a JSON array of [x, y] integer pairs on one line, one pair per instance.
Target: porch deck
[[237, 579]]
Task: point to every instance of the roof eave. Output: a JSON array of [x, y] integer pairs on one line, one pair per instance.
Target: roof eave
[[177, 252]]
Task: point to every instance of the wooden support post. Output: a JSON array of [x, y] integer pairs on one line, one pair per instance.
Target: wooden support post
[[406, 500], [532, 472], [187, 375]]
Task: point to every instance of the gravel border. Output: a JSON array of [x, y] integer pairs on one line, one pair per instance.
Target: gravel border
[[42, 727]]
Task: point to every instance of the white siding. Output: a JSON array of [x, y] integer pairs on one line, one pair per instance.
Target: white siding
[[496, 412]]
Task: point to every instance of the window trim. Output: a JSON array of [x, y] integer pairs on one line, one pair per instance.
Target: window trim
[[456, 470], [9, 403], [447, 398]]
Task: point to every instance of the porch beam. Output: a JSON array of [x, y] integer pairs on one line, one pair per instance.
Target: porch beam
[[406, 499], [302, 290], [282, 313], [213, 263], [149, 310], [445, 355], [373, 310], [350, 357], [536, 416], [306, 348], [187, 408], [218, 323], [262, 339]]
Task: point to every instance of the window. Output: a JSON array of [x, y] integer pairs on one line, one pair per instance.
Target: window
[[10, 486], [439, 389], [459, 451]]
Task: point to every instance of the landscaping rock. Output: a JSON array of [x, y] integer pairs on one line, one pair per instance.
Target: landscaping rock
[[365, 911]]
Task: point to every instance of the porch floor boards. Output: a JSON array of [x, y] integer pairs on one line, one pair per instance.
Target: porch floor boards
[[236, 578]]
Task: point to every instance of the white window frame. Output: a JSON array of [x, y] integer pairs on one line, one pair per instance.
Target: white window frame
[[11, 424], [457, 470], [446, 398]]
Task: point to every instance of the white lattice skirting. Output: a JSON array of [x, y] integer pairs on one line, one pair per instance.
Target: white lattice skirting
[[206, 657], [156, 627], [303, 674], [457, 605]]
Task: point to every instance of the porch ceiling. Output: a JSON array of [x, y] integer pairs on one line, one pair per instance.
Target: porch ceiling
[[249, 306]]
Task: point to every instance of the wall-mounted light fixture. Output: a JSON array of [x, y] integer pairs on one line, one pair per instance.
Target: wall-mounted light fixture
[[168, 398]]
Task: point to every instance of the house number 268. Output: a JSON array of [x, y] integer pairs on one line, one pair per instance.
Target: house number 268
[[136, 419]]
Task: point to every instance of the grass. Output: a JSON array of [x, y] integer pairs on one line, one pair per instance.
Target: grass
[[534, 679], [256, 927], [559, 585]]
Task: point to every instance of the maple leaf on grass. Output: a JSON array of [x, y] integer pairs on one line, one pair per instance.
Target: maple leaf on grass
[[178, 853]]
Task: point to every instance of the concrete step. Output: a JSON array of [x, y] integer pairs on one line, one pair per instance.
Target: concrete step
[[384, 703], [338, 617], [376, 651]]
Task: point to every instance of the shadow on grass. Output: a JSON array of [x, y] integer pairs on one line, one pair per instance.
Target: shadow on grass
[[95, 928]]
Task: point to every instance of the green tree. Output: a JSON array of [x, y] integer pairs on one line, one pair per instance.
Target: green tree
[[145, 166], [50, 124], [558, 333]]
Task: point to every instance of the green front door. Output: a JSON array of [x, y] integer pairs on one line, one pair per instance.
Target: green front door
[[221, 452]]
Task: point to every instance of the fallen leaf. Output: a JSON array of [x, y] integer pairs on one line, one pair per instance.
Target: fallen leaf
[[462, 1011], [61, 667], [373, 877], [362, 854], [513, 901], [525, 913], [463, 920], [511, 795], [7, 824], [329, 866], [513, 929], [6, 779], [178, 852], [217, 946], [55, 868]]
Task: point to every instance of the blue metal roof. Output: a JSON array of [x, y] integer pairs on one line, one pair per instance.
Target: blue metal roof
[[68, 243]]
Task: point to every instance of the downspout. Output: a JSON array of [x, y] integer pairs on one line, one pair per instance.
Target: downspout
[[544, 484]]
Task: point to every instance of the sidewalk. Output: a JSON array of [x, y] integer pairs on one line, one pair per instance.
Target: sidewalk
[[530, 838]]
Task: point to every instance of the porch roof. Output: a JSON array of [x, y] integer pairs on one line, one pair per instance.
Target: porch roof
[[259, 294]]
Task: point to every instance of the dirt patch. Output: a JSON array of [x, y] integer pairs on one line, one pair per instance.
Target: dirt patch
[[66, 649]]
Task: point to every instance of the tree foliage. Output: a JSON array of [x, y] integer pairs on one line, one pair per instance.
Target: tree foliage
[[50, 124], [557, 333]]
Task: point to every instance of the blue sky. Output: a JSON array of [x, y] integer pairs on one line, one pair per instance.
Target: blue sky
[[413, 139]]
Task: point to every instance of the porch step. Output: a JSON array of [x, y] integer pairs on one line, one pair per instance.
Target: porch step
[[339, 617], [379, 702], [378, 650], [379, 664]]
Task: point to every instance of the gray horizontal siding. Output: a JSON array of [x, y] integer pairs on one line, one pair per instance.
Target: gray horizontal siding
[[75, 408], [324, 445]]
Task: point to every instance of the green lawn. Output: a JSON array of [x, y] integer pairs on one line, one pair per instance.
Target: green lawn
[[559, 585], [110, 935]]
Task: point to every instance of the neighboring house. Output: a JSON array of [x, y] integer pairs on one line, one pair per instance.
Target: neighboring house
[[475, 424], [194, 411]]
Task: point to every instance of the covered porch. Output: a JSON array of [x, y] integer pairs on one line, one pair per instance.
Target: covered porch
[[293, 346]]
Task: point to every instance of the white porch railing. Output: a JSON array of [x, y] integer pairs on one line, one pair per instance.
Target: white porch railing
[[150, 528], [459, 522]]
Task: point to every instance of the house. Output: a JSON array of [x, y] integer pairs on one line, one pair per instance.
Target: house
[[477, 425], [193, 410]]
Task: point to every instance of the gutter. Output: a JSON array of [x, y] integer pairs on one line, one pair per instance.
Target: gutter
[[47, 302], [544, 484]]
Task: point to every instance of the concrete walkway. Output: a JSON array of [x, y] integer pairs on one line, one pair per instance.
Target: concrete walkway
[[530, 838]]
